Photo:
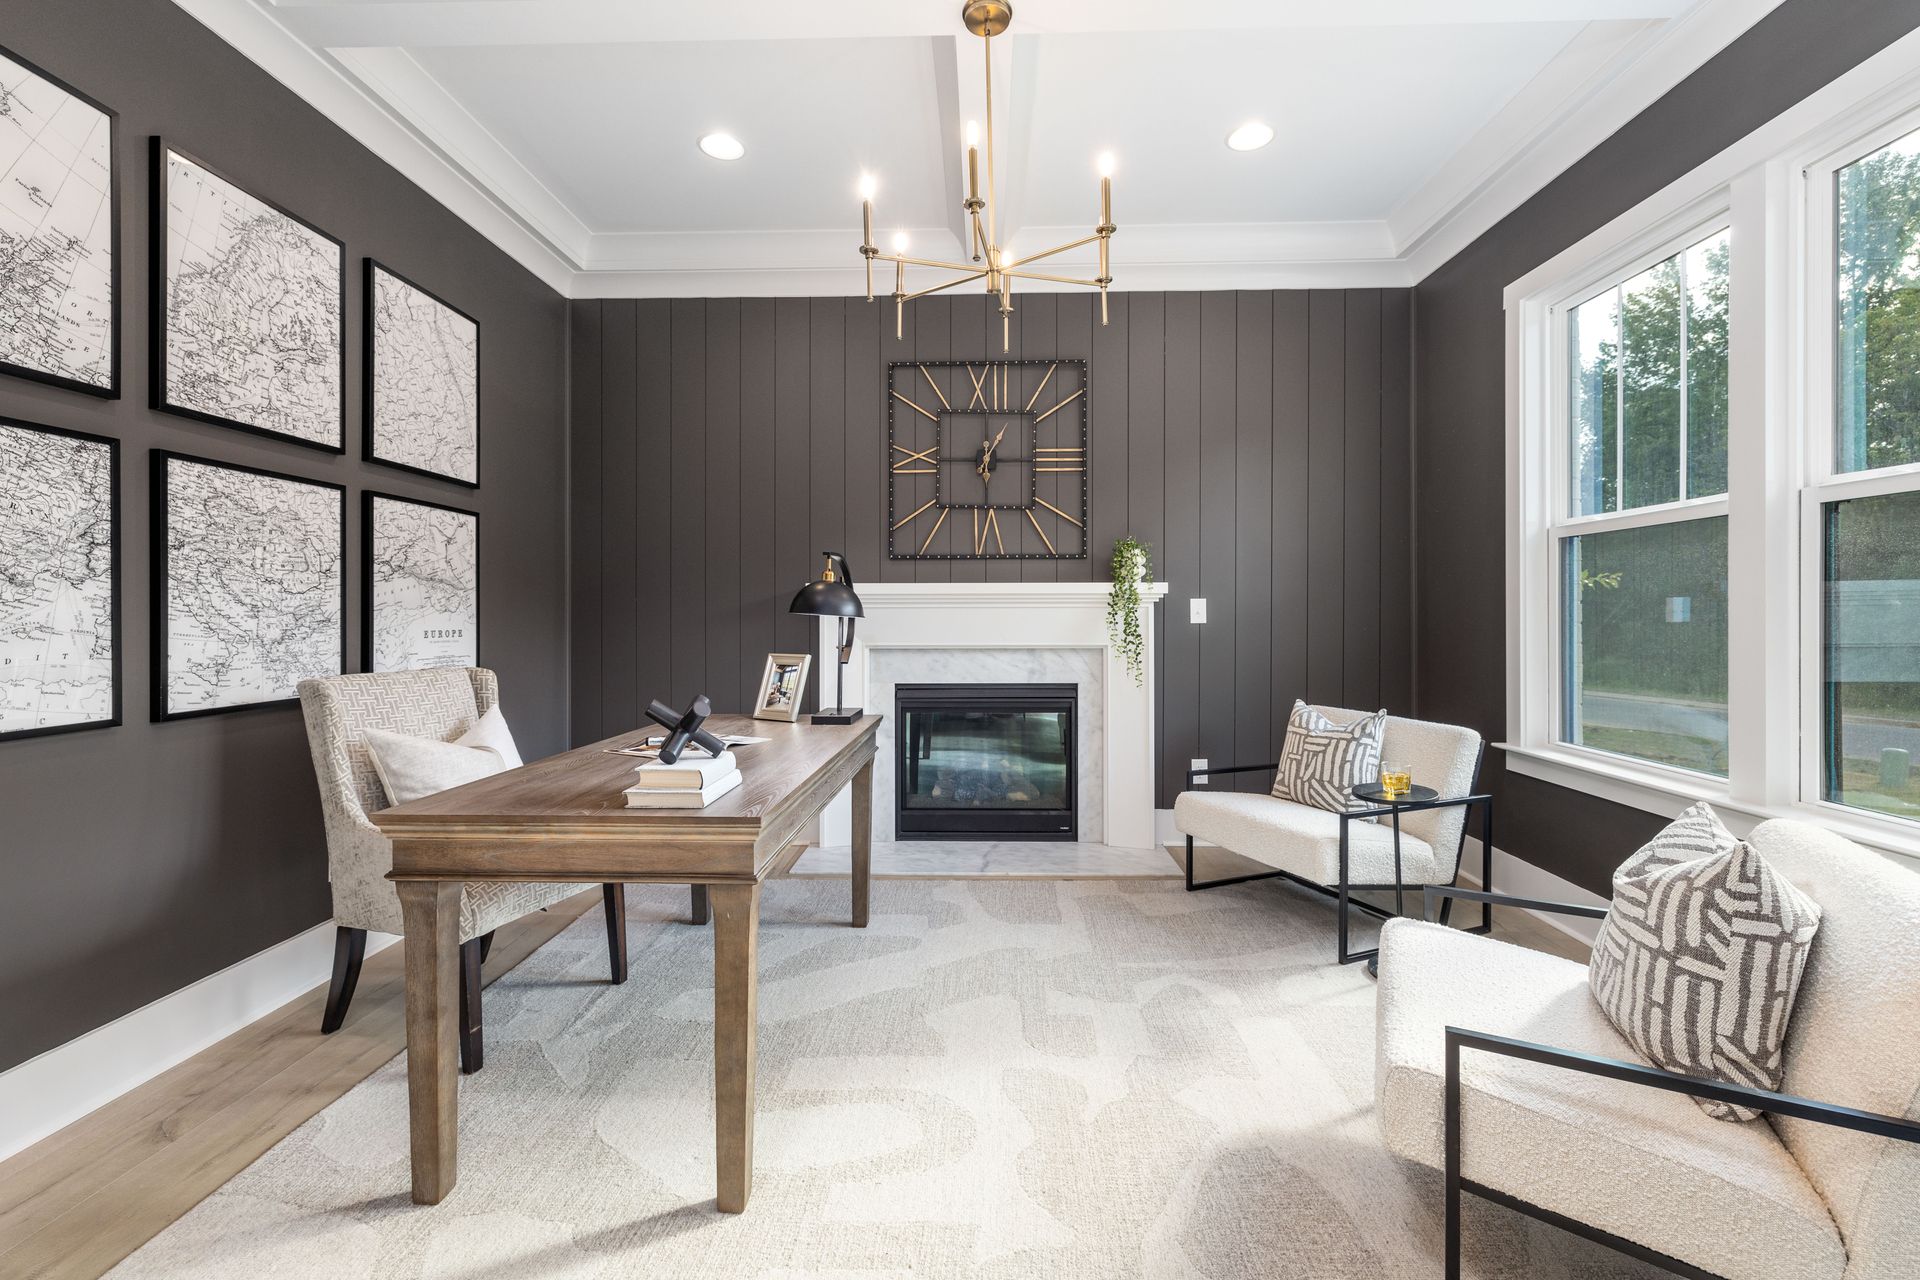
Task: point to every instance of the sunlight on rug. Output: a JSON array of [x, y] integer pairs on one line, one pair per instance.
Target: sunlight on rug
[[1082, 1078]]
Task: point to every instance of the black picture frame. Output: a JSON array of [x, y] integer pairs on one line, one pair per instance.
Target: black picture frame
[[157, 301], [112, 390], [919, 372], [116, 716], [161, 676], [367, 497], [368, 401]]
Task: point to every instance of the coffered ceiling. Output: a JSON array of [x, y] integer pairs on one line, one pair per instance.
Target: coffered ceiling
[[567, 130]]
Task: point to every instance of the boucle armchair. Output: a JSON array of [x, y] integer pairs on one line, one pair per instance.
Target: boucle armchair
[[1334, 854], [441, 703], [1496, 1066]]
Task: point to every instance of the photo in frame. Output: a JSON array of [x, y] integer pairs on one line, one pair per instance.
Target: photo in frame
[[782, 685]]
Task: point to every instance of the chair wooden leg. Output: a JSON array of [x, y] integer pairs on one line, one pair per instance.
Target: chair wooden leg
[[614, 897], [472, 1047], [349, 949], [702, 910]]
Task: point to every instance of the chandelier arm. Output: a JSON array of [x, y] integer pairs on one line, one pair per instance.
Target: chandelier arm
[[1041, 275], [928, 262], [969, 278], [1048, 253], [986, 43]]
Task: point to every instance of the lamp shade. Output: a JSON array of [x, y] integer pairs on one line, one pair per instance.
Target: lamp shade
[[827, 600]]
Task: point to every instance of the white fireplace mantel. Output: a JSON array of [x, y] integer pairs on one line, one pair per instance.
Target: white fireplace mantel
[[1001, 616]]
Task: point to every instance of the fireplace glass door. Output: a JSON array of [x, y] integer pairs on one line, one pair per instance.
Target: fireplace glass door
[[986, 762]]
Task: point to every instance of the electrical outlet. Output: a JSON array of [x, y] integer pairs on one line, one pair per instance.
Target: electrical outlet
[[1197, 609], [1197, 765]]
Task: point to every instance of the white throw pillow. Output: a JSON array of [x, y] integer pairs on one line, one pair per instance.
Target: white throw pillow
[[490, 730], [1699, 959], [412, 768], [1321, 762]]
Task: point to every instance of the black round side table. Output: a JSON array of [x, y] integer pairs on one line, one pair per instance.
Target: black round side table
[[1373, 795]]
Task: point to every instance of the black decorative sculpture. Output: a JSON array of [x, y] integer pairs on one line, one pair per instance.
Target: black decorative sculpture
[[684, 727]]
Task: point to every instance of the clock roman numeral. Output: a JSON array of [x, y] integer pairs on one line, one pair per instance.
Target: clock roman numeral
[[936, 389], [1057, 408], [925, 413], [905, 466]]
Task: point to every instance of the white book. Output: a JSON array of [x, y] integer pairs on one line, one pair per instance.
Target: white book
[[680, 797], [689, 773]]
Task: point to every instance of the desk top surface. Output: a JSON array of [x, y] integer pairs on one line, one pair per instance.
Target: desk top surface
[[583, 789]]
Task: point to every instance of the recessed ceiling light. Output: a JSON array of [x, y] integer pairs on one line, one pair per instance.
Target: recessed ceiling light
[[722, 146], [1250, 136]]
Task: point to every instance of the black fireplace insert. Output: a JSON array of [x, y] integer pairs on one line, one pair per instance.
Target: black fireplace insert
[[986, 762]]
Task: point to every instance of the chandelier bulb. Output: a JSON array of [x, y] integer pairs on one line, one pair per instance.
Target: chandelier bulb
[[868, 186], [973, 133], [900, 242], [1106, 164]]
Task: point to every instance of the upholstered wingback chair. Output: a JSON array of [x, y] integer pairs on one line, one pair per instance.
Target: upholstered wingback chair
[[1496, 1065], [443, 703], [1334, 853]]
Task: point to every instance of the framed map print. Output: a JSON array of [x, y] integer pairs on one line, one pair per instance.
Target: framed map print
[[59, 580], [420, 575], [249, 309], [422, 380], [249, 585], [59, 233]]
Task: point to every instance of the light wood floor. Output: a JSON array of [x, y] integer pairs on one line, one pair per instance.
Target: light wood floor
[[78, 1202]]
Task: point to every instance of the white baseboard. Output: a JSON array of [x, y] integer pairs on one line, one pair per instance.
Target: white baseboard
[[1524, 880], [49, 1092]]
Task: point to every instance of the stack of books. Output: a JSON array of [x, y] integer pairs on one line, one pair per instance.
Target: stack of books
[[691, 782]]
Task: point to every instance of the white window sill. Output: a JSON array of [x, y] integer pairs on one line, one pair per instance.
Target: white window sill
[[1667, 791]]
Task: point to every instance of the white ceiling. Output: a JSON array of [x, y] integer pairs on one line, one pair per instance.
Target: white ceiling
[[566, 129]]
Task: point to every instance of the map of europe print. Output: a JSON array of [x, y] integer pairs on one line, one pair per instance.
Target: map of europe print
[[252, 324], [423, 586], [56, 231], [56, 580], [253, 585], [425, 380]]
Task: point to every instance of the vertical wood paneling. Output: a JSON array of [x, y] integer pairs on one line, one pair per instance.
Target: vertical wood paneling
[[721, 537], [620, 378], [1292, 426], [760, 565], [1039, 339], [932, 338], [1219, 451], [1257, 441], [688, 538], [584, 472], [1396, 501], [1180, 673], [1361, 507], [1326, 594], [652, 578], [1253, 516]]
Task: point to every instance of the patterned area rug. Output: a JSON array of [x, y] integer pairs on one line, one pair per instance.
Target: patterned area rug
[[1084, 1078]]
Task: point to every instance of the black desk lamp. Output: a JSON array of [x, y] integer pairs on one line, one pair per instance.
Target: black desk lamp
[[832, 597]]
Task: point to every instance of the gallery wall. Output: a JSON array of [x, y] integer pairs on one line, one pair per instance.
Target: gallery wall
[[1460, 354], [137, 859], [1257, 440]]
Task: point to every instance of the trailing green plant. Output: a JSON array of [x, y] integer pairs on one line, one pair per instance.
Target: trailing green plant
[[1131, 564]]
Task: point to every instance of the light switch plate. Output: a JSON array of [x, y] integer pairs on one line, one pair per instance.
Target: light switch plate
[[1198, 765], [1197, 609]]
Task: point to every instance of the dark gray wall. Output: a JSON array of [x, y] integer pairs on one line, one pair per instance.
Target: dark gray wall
[[138, 859], [1257, 440], [1460, 356]]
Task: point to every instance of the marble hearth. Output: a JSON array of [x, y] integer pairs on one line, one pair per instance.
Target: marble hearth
[[1008, 633]]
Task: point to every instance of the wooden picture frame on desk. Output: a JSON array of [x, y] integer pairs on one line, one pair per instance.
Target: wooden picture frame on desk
[[782, 686]]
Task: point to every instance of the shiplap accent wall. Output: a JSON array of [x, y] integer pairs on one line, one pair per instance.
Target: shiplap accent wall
[[1258, 440]]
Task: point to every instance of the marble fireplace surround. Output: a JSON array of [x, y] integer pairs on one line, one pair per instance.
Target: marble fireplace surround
[[1007, 632]]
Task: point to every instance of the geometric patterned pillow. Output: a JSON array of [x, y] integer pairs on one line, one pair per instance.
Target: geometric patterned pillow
[[1322, 761], [1699, 959]]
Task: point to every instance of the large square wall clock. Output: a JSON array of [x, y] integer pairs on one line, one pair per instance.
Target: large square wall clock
[[987, 460]]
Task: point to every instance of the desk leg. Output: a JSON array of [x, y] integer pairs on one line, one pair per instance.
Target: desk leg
[[736, 984], [431, 911], [862, 841]]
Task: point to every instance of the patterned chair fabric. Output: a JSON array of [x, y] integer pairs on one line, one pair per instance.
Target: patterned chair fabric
[[442, 703]]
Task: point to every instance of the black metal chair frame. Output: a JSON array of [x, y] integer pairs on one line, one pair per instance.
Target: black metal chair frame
[[1342, 892], [1780, 1104]]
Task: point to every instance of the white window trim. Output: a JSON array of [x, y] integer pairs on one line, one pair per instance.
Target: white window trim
[[1779, 457]]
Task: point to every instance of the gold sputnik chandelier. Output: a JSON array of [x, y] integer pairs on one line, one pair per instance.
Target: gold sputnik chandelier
[[986, 19]]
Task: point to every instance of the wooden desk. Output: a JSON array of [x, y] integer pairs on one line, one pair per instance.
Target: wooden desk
[[564, 818]]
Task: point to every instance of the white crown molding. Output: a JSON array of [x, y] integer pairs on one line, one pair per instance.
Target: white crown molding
[[1679, 48], [372, 88], [325, 86]]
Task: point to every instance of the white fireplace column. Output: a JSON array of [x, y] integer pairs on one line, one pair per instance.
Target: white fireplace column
[[950, 620]]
